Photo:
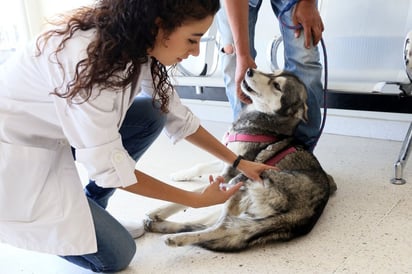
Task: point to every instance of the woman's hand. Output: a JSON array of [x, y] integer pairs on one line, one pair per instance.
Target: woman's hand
[[214, 194], [253, 170]]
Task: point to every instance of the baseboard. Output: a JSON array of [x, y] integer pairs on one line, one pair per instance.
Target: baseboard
[[367, 124], [377, 125]]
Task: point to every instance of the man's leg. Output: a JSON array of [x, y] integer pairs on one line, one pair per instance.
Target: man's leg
[[254, 7], [228, 61], [305, 64]]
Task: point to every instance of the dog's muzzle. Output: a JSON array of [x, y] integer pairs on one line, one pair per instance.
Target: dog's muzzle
[[246, 87]]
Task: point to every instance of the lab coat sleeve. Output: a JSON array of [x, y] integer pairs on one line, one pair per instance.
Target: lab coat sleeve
[[92, 129], [180, 122]]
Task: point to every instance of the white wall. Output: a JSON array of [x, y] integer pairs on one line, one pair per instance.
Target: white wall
[[37, 11]]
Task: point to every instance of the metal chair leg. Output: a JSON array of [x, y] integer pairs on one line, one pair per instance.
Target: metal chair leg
[[403, 157]]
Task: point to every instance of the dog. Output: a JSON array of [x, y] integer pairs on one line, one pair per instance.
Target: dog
[[290, 200]]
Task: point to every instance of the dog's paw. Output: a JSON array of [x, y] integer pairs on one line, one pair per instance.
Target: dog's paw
[[171, 241], [149, 223]]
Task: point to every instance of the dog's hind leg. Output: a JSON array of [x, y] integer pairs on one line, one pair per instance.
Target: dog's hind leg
[[228, 234], [215, 233], [231, 234]]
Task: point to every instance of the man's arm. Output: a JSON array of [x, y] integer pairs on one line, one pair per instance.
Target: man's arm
[[237, 13], [238, 16]]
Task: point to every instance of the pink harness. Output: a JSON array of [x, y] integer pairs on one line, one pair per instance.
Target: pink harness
[[239, 137]]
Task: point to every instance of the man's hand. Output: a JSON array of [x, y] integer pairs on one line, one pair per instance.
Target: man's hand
[[242, 64], [307, 14]]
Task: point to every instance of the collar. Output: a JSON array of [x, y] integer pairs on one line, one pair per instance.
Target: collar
[[240, 137]]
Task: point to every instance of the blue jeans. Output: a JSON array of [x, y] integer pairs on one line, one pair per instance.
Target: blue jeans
[[115, 246], [299, 60]]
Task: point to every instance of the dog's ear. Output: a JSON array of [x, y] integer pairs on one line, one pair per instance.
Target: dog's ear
[[302, 113], [305, 113]]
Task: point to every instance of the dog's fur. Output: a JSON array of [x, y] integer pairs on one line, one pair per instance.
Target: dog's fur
[[288, 203]]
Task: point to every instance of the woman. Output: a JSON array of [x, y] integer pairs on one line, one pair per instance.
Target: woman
[[95, 87]]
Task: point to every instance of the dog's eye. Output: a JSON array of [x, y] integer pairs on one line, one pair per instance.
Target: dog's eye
[[276, 85]]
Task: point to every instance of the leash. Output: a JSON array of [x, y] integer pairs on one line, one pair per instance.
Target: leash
[[325, 86]]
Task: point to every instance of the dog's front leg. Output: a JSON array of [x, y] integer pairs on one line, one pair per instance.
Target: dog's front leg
[[164, 212], [155, 220], [165, 226], [197, 171]]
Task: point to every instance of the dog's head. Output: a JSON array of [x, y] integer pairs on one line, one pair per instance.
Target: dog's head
[[279, 93]]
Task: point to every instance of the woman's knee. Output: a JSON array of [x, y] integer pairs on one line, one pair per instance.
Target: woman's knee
[[122, 259], [115, 246]]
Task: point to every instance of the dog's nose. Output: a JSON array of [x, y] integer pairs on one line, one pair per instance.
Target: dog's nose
[[249, 72]]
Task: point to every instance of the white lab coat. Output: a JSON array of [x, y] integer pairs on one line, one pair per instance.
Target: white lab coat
[[42, 203]]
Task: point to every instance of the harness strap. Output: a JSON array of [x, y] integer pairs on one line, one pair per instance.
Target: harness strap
[[276, 159]]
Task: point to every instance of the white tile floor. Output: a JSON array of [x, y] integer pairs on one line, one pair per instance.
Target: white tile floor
[[366, 227]]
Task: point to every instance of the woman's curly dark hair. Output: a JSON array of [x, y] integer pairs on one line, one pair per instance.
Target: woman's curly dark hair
[[125, 30]]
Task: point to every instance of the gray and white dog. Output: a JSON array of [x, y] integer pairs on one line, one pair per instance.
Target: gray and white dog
[[288, 203]]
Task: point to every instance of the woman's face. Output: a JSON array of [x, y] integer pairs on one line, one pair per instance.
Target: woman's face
[[181, 43]]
